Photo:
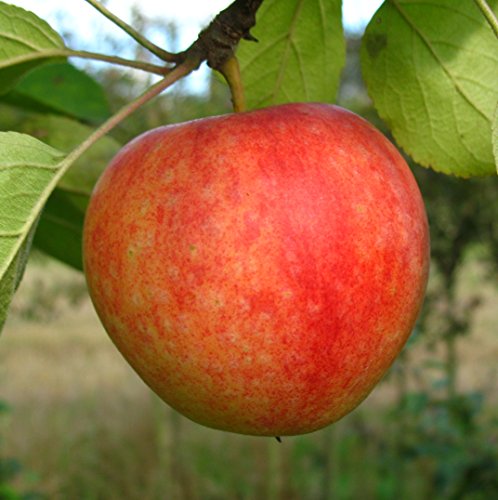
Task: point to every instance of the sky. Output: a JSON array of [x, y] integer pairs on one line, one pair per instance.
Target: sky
[[189, 15]]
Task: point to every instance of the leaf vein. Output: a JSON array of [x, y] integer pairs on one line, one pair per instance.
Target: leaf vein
[[285, 56], [434, 54]]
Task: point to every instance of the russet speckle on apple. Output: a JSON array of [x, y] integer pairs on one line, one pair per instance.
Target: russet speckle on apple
[[260, 271]]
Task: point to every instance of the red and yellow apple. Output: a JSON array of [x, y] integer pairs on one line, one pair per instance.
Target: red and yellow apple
[[260, 271]]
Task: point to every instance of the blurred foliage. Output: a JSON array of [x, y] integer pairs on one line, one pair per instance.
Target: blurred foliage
[[10, 470], [60, 88], [44, 300]]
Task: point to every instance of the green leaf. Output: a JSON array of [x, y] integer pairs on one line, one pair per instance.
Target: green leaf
[[431, 69], [26, 41], [60, 229], [495, 138], [300, 53], [29, 170], [63, 89]]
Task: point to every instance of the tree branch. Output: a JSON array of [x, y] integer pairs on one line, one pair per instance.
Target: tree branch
[[217, 43]]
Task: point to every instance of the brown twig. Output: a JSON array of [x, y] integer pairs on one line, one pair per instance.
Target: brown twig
[[217, 43]]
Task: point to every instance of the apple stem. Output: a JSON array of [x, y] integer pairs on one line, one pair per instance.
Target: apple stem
[[278, 438], [231, 71]]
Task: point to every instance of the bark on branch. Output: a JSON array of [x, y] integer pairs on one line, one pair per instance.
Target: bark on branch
[[217, 43]]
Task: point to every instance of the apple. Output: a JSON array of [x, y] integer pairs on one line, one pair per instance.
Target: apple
[[260, 271]]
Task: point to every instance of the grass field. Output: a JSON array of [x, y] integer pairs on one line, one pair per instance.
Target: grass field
[[84, 426]]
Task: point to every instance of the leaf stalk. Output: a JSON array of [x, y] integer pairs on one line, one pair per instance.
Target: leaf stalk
[[488, 14], [173, 76], [55, 53], [139, 38]]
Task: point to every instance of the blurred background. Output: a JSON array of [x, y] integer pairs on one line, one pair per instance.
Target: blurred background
[[77, 423]]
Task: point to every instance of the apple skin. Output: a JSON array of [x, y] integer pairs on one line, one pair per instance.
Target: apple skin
[[260, 271]]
